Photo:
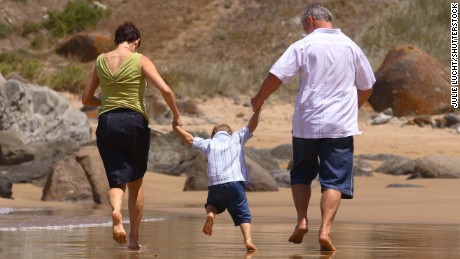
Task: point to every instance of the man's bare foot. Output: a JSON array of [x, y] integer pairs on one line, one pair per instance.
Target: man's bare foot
[[297, 235], [250, 254], [119, 233], [207, 228], [326, 244], [134, 247], [249, 245]]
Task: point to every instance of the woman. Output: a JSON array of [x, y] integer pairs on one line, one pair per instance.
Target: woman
[[123, 135]]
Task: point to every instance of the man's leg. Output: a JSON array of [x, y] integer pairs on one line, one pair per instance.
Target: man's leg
[[330, 201], [136, 207], [115, 196], [246, 230], [211, 212], [301, 194]]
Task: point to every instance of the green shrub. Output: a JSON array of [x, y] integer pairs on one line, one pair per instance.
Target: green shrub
[[30, 27], [37, 41], [4, 30], [77, 16], [29, 68], [69, 78]]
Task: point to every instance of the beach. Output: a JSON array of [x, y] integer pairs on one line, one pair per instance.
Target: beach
[[174, 216]]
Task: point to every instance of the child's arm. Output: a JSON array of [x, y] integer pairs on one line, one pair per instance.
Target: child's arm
[[254, 121], [184, 135]]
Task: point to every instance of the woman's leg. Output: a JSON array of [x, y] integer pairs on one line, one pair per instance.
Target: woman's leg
[[136, 207], [115, 199]]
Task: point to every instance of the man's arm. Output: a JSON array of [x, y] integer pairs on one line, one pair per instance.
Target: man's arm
[[363, 96], [270, 85], [254, 121], [184, 135]]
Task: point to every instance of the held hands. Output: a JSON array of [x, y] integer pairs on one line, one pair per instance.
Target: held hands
[[177, 122]]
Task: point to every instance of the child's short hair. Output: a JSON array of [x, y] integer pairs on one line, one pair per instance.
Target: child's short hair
[[221, 127]]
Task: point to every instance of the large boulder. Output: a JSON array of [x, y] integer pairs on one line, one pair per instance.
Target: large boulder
[[85, 46], [411, 82], [37, 123]]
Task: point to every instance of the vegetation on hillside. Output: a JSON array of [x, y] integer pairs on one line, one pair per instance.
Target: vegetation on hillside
[[219, 47]]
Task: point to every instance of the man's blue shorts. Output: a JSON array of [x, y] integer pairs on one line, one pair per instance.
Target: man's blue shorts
[[230, 196], [332, 158]]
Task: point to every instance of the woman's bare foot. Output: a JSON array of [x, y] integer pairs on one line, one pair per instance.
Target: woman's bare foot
[[134, 247], [119, 233], [249, 245], [207, 228], [326, 244], [297, 235]]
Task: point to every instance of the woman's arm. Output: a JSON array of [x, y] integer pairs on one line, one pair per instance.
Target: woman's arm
[[87, 97], [154, 78]]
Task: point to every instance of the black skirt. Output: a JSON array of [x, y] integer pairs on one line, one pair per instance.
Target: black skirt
[[123, 140]]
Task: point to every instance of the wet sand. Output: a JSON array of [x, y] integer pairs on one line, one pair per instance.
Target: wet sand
[[380, 222]]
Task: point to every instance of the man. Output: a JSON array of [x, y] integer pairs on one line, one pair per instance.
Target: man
[[335, 79]]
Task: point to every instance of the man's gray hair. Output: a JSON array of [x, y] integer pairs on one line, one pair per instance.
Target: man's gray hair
[[317, 12]]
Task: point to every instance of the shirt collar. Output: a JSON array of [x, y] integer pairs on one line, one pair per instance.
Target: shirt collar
[[323, 30], [220, 135]]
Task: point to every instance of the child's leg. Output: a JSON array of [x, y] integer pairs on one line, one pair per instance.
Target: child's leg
[[246, 230], [211, 212]]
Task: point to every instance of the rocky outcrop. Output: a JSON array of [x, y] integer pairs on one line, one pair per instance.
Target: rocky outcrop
[[411, 82], [37, 123], [85, 47]]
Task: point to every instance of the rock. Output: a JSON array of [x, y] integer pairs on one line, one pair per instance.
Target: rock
[[362, 168], [261, 180], [35, 172], [422, 120], [262, 157], [451, 119], [68, 182], [437, 166], [282, 177], [85, 47], [197, 177], [282, 152], [381, 118], [411, 82], [169, 154], [397, 166], [37, 123], [5, 187], [91, 162]]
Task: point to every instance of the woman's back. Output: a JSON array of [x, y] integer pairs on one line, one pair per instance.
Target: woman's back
[[122, 81]]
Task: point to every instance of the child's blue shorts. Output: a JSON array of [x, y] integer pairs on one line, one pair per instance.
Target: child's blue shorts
[[230, 196]]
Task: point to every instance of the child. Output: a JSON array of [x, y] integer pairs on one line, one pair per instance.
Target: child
[[227, 174]]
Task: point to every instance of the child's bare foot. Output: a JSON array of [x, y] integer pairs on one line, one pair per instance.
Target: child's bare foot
[[119, 233], [297, 235], [326, 244], [249, 245], [207, 228]]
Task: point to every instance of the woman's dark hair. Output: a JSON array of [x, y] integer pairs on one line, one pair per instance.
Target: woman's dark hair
[[126, 32]]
